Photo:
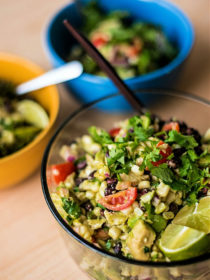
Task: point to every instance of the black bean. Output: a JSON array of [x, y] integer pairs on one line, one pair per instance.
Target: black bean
[[174, 207], [78, 181], [183, 127], [198, 150], [161, 124], [162, 137], [146, 172], [194, 133], [203, 192], [102, 212], [81, 165], [111, 186], [179, 151], [117, 248], [107, 154], [109, 191], [88, 206], [91, 175], [143, 191]]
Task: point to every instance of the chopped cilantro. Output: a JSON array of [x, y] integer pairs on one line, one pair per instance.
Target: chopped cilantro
[[141, 133], [109, 244], [132, 221], [71, 207], [193, 155], [101, 206], [119, 160], [150, 155], [185, 141], [163, 172], [99, 135]]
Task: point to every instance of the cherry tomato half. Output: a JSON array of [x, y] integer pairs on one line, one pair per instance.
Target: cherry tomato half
[[99, 40], [171, 126], [61, 171], [120, 200], [114, 131], [164, 154]]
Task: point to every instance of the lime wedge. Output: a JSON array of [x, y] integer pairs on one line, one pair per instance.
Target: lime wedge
[[33, 113], [180, 242], [196, 216]]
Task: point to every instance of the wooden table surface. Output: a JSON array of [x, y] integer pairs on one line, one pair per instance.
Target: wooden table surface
[[31, 247]]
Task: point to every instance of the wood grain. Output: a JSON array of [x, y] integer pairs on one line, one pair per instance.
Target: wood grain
[[31, 247]]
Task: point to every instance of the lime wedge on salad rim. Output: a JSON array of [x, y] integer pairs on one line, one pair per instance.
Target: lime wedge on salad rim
[[180, 242], [196, 216]]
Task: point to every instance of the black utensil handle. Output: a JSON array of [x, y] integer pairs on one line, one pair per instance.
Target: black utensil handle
[[105, 66]]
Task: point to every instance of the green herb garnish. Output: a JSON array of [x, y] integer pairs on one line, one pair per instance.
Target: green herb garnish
[[71, 207]]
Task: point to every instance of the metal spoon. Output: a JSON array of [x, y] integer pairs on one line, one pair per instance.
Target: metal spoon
[[58, 75]]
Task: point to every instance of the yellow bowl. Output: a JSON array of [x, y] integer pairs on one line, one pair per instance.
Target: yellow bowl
[[21, 164]]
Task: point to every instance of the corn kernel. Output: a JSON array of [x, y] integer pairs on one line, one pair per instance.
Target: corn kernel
[[160, 208], [114, 232], [144, 185]]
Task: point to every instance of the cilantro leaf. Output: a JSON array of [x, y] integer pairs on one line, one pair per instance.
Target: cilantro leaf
[[119, 161], [132, 221], [140, 132], [116, 155], [108, 244], [178, 185], [99, 135], [71, 207], [185, 141], [193, 155], [101, 206], [143, 134], [163, 172]]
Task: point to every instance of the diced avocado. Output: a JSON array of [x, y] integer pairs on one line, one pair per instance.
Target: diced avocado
[[140, 236], [158, 223], [205, 161]]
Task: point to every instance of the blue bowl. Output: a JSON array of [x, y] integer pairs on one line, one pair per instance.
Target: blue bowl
[[88, 87]]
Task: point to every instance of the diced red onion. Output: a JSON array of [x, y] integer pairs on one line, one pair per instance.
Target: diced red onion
[[70, 158]]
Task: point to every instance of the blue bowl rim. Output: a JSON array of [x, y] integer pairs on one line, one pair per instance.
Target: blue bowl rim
[[166, 70]]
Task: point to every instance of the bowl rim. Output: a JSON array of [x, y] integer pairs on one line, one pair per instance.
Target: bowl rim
[[166, 70], [11, 58], [68, 229]]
